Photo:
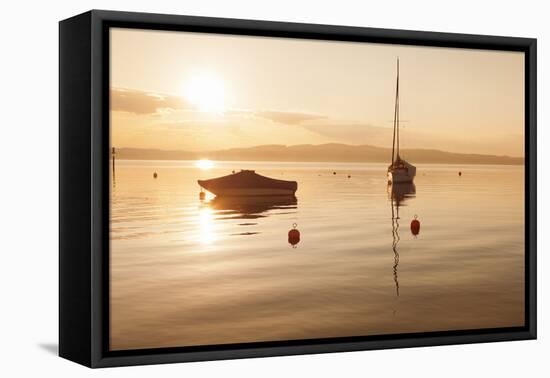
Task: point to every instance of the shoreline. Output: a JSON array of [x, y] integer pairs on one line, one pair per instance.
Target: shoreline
[[287, 162]]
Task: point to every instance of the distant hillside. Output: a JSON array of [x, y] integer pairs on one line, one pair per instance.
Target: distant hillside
[[317, 153]]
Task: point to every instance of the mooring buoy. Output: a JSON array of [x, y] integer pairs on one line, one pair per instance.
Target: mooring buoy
[[294, 236], [415, 225]]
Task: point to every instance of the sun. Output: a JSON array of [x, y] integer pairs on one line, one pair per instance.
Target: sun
[[204, 164], [206, 92]]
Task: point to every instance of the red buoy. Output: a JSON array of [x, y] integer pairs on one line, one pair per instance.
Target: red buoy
[[294, 236], [415, 226]]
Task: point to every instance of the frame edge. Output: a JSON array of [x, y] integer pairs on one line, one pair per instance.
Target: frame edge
[[99, 17], [74, 189]]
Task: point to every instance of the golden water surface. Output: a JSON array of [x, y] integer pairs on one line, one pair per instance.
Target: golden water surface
[[189, 272]]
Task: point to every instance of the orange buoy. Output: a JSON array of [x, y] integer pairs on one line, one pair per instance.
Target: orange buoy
[[349, 176], [333, 173], [459, 173], [294, 236], [415, 226], [202, 195], [155, 175]]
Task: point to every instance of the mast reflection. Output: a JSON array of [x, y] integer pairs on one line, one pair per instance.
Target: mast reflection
[[398, 194]]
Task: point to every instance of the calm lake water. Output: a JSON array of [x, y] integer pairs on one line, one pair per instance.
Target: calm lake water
[[190, 272]]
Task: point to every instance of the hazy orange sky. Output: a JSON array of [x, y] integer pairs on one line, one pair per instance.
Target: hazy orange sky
[[192, 91]]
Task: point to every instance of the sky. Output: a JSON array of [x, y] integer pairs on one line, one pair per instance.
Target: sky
[[201, 92]]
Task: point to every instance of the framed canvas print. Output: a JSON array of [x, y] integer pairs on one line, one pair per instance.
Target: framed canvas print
[[234, 188]]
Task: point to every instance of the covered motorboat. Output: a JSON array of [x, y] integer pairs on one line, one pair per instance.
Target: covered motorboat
[[249, 183]]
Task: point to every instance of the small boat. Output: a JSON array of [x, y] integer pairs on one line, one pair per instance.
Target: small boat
[[399, 171], [249, 183]]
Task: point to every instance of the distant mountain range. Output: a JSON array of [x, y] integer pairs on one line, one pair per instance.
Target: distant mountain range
[[332, 152]]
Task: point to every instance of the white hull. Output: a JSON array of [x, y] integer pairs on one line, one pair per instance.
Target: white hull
[[230, 192], [398, 176]]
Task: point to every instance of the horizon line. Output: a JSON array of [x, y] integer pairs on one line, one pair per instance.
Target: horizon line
[[318, 145]]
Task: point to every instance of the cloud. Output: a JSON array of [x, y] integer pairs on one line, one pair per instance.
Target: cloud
[[351, 133], [139, 102], [289, 118], [349, 130]]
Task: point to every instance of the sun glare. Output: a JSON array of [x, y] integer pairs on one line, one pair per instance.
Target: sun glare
[[206, 93], [204, 164], [207, 233]]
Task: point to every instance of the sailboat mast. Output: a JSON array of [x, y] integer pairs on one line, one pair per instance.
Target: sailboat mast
[[397, 108], [395, 116]]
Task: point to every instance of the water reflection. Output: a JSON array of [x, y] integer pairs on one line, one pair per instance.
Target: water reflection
[[251, 207], [398, 193], [207, 235], [238, 287]]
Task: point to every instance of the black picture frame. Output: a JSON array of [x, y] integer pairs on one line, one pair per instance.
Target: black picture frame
[[84, 193]]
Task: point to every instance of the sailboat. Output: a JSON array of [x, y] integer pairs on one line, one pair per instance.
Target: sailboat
[[399, 171]]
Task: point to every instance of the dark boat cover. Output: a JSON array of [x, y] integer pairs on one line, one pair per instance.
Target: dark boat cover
[[247, 179]]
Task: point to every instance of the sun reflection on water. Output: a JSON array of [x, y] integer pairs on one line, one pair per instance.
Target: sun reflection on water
[[206, 234], [204, 164]]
